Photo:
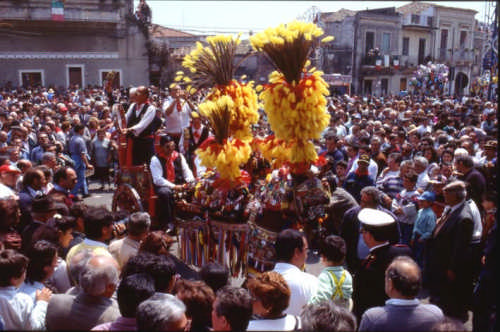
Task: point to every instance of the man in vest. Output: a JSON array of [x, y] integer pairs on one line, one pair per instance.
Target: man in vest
[[197, 134], [170, 171], [141, 126]]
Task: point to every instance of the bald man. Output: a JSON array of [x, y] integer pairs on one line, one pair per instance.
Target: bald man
[[93, 305], [403, 311], [141, 126]]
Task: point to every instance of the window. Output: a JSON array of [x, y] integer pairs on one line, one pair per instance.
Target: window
[[421, 50], [402, 84], [31, 77], [117, 82], [367, 89], [429, 21], [386, 42], [444, 38], [415, 19], [463, 38], [75, 75], [369, 41], [385, 86], [406, 45]]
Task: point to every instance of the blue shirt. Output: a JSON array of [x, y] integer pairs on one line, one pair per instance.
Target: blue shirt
[[425, 223]]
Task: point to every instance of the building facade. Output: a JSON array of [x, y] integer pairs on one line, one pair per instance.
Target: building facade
[[382, 48], [93, 38]]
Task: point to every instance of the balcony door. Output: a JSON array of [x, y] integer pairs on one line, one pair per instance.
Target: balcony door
[[421, 50]]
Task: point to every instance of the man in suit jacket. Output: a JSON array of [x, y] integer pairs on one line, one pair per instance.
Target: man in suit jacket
[[33, 181], [403, 311], [449, 265], [93, 305], [376, 229], [356, 248]]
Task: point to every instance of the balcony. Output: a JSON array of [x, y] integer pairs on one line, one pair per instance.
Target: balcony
[[462, 56], [387, 65], [103, 11], [418, 21]]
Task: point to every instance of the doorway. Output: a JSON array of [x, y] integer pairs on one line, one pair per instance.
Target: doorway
[[74, 75]]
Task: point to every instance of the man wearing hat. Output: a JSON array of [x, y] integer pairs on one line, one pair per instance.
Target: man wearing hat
[[489, 163], [170, 171], [358, 179], [197, 134], [8, 179], [369, 281], [450, 265], [43, 208]]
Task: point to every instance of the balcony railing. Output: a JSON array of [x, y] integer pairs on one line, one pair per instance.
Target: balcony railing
[[110, 11], [460, 55]]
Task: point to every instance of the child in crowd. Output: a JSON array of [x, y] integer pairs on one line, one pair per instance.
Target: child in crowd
[[17, 309], [405, 206], [424, 225], [335, 282]]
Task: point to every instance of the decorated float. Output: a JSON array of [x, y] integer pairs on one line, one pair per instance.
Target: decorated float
[[234, 212]]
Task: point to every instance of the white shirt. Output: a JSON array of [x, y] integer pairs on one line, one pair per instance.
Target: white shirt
[[302, 286], [19, 312], [146, 119], [287, 323], [6, 192], [123, 249], [31, 288], [422, 180], [176, 121], [157, 172], [388, 174], [476, 217]]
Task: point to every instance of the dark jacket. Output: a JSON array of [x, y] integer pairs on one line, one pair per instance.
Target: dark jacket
[[369, 281], [350, 233], [476, 185], [449, 250], [354, 183]]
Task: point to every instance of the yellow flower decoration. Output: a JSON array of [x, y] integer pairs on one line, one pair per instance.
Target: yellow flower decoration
[[295, 98]]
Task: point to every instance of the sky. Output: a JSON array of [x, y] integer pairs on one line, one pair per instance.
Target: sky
[[211, 17]]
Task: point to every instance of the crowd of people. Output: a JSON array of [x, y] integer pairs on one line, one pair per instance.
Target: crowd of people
[[412, 215]]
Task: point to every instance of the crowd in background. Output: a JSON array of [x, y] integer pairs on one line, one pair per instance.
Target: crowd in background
[[430, 163]]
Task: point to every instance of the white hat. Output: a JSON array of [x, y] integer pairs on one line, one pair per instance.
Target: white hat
[[375, 218]]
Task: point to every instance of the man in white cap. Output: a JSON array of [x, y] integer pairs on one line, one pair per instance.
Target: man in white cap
[[376, 228], [8, 178]]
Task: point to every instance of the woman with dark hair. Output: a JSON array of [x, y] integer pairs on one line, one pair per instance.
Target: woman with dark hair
[[159, 243], [271, 296], [432, 157], [446, 155], [42, 263], [58, 232]]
